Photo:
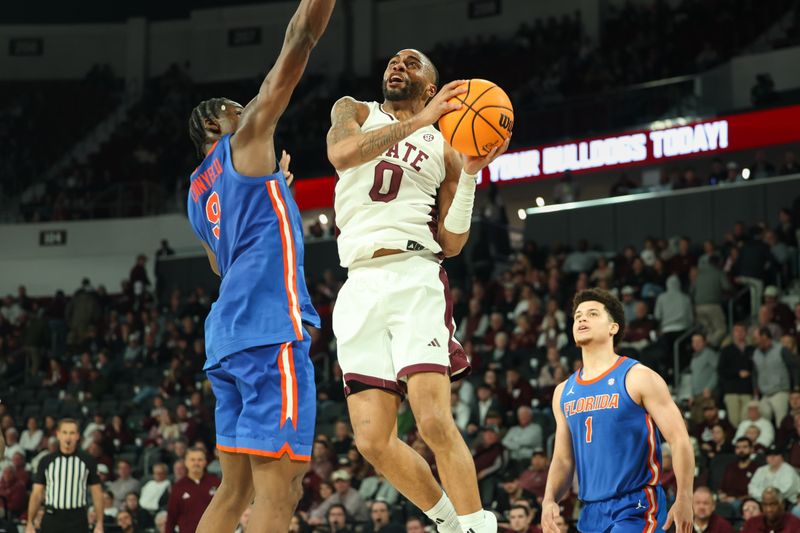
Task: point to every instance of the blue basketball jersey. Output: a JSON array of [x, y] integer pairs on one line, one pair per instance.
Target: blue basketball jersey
[[253, 226], [616, 444]]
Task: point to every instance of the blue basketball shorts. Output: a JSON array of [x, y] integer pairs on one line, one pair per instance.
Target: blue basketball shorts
[[266, 401], [641, 511]]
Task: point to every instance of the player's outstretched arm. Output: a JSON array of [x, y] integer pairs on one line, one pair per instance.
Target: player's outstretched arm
[[562, 468], [456, 196], [649, 389], [304, 31], [349, 147]]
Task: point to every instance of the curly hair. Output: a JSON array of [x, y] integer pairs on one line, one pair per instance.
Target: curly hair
[[611, 303], [207, 109]]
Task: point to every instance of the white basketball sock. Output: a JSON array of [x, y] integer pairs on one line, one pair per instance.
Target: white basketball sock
[[479, 522], [444, 516]]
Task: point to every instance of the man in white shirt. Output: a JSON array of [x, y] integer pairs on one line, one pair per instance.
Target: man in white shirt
[[154, 490], [776, 473], [523, 438], [754, 418], [460, 410]]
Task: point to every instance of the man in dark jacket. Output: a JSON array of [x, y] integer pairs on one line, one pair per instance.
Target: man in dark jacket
[[775, 518], [736, 374], [705, 519]]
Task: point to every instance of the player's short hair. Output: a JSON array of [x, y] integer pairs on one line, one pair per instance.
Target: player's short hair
[[207, 109], [63, 421], [610, 302], [526, 509]]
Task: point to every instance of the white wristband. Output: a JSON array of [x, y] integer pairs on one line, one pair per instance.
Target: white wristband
[[459, 216]]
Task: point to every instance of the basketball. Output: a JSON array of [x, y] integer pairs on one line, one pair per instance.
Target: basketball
[[484, 121]]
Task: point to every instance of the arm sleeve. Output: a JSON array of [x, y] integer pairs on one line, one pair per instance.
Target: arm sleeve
[[754, 488]]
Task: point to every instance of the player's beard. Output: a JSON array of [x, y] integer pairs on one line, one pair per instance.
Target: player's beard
[[411, 90]]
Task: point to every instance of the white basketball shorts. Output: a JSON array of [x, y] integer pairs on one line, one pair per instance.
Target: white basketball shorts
[[393, 318]]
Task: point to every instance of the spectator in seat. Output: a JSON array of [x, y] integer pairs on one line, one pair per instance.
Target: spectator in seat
[[517, 391], [490, 458], [682, 262], [674, 314], [415, 524], [475, 324], [704, 374], [337, 519], [547, 374], [534, 478], [13, 491], [520, 520], [750, 508], [786, 430], [629, 303], [31, 438], [752, 264], [381, 520], [345, 495], [511, 490], [154, 492], [12, 444], [767, 431], [124, 484], [736, 375], [773, 378], [719, 443], [786, 229], [707, 290], [781, 314], [761, 167], [125, 522], [521, 440], [702, 431], [775, 518], [705, 519], [737, 476], [640, 332], [141, 518], [778, 474], [792, 444], [486, 403], [378, 488]]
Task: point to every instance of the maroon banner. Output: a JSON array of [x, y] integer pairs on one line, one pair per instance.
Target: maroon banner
[[631, 148]]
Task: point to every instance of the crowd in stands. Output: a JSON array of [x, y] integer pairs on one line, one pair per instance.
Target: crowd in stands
[[142, 169], [129, 368]]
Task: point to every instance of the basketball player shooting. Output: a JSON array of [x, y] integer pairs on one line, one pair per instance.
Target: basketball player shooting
[[393, 318], [609, 419], [256, 343]]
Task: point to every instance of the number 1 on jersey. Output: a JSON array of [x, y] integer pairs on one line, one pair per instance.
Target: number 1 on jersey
[[588, 429]]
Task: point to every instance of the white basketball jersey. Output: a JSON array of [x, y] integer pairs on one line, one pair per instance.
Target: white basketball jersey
[[390, 201]]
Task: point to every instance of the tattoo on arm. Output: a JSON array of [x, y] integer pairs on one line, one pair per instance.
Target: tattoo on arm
[[371, 144], [377, 141]]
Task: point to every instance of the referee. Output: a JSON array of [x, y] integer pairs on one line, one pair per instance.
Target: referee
[[61, 483]]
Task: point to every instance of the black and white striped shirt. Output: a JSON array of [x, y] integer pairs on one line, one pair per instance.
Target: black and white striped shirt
[[66, 479]]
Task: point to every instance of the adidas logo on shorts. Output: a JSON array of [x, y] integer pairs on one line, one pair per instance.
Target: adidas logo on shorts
[[434, 343]]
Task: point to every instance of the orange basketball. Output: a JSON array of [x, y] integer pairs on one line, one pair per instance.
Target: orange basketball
[[484, 121]]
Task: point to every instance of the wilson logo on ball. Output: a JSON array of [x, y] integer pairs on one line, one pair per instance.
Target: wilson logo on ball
[[506, 122]]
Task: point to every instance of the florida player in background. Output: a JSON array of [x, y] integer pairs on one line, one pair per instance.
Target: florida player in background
[[610, 417], [393, 318], [256, 344]]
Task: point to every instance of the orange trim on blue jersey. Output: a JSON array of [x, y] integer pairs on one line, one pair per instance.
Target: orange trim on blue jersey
[[601, 376], [650, 520], [294, 386], [652, 461], [282, 370], [285, 450], [289, 256]]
